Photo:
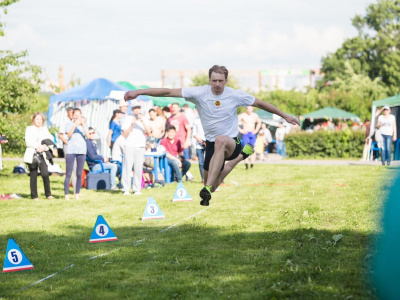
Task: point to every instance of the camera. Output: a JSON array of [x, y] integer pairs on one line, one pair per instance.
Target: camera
[[3, 138], [136, 116]]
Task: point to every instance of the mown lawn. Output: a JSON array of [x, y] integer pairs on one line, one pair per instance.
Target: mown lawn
[[300, 232]]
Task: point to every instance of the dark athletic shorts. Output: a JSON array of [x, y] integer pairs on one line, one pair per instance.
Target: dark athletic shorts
[[210, 153]]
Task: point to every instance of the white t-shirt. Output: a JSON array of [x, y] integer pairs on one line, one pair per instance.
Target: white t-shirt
[[280, 134], [118, 148], [218, 113], [199, 132], [267, 135], [387, 124], [137, 136]]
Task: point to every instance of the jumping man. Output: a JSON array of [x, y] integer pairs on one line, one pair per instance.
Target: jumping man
[[217, 106]]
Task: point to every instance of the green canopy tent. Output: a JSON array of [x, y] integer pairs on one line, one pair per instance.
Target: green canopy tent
[[327, 113], [159, 101], [267, 117], [270, 118]]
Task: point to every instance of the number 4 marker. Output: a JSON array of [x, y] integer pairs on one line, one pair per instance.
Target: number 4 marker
[[102, 232]]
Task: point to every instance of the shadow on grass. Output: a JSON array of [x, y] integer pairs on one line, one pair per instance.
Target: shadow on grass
[[193, 261]]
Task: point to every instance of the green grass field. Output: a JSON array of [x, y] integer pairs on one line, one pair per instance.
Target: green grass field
[[300, 232]]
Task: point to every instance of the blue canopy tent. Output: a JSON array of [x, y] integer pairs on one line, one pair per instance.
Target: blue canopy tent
[[94, 101]]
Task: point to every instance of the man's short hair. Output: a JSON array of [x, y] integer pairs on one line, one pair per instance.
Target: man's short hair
[[166, 108], [151, 110], [185, 105], [91, 128], [171, 128], [70, 108], [175, 103], [219, 70], [77, 109]]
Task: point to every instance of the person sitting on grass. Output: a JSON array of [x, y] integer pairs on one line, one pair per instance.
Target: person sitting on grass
[[175, 157], [92, 155]]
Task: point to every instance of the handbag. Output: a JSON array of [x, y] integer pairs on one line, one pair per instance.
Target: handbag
[[36, 159]]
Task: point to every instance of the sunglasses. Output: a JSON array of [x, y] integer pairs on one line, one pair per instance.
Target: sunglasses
[[91, 132]]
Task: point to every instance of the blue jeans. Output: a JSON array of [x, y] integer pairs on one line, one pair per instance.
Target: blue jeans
[[174, 164], [281, 149], [113, 168], [387, 148], [187, 153], [200, 155]]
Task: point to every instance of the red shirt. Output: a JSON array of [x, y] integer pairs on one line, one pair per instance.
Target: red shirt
[[174, 149], [179, 122]]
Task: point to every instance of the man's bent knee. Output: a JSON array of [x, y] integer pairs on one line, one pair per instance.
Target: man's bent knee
[[221, 141]]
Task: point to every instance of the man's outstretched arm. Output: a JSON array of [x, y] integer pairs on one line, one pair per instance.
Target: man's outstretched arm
[[153, 92], [272, 109]]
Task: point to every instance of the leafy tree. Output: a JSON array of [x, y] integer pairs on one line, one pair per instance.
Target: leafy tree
[[3, 6], [19, 86], [353, 92], [375, 51], [293, 102], [19, 82]]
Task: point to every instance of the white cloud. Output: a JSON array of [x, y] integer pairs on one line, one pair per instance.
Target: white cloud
[[303, 41], [22, 37], [318, 42]]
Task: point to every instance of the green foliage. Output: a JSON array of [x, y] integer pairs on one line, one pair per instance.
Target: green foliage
[[13, 127], [3, 6], [326, 143], [375, 51], [296, 103], [19, 82], [42, 104], [351, 92], [286, 232]]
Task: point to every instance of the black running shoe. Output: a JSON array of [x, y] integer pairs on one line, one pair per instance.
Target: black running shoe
[[205, 195]]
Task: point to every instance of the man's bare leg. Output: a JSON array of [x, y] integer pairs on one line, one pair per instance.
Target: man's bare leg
[[223, 148], [252, 159], [205, 175], [227, 169], [212, 184]]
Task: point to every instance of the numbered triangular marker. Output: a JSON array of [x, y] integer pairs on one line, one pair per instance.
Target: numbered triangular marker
[[181, 194], [152, 211], [16, 259], [102, 232]]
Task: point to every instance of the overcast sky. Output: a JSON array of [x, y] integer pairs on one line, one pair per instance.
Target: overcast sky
[[133, 40]]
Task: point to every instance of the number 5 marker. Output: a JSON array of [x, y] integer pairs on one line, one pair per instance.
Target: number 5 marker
[[15, 259]]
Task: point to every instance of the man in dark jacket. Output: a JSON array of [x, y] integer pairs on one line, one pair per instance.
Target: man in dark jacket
[[92, 155]]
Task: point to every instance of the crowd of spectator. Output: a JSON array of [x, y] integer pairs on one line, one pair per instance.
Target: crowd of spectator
[[174, 130]]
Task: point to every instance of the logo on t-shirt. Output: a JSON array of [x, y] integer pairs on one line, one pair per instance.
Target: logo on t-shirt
[[217, 103]]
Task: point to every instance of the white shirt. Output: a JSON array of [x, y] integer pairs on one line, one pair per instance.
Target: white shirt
[[33, 139], [189, 116], [280, 134], [199, 132], [267, 135], [61, 129], [137, 136], [218, 113], [387, 124], [118, 148]]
